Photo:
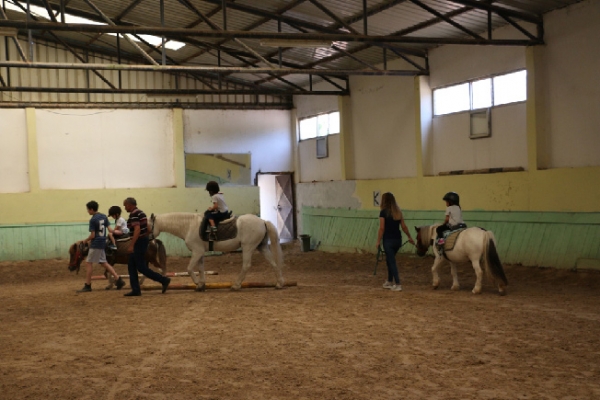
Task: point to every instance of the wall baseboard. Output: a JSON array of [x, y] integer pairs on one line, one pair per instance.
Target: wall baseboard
[[549, 239]]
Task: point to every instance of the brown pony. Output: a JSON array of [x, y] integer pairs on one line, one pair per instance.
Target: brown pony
[[155, 255]]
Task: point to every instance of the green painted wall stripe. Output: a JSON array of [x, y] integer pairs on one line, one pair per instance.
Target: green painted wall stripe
[[46, 241], [530, 238]]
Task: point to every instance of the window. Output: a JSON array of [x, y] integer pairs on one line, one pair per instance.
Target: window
[[479, 94], [451, 99], [510, 88], [320, 125]]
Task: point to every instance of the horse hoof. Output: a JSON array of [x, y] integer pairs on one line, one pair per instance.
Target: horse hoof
[[200, 288], [456, 288], [434, 287], [502, 292], [476, 291]]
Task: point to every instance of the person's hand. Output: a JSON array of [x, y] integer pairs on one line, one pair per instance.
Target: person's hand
[[377, 245], [412, 241], [130, 249]]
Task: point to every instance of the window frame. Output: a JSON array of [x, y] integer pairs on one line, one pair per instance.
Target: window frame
[[470, 82], [316, 118]]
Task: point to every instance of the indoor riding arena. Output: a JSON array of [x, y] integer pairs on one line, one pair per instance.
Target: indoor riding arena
[[308, 117]]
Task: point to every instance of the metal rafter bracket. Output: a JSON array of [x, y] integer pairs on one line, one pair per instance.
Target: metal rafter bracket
[[183, 32]]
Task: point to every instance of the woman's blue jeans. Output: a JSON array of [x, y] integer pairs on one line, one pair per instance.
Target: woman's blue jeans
[[391, 247]]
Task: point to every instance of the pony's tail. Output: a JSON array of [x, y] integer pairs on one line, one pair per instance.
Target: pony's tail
[[161, 252], [492, 260], [275, 246]]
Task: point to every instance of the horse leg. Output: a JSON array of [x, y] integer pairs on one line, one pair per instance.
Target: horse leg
[[436, 277], [479, 274], [111, 280], [246, 263], [276, 268], [199, 280], [455, 285]]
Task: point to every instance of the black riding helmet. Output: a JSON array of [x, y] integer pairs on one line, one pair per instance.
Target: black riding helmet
[[452, 198], [212, 187]]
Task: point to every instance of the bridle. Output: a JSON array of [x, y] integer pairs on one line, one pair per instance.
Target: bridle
[[152, 220], [75, 264]]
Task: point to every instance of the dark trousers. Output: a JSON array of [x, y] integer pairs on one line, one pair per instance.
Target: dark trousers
[[391, 247], [441, 229], [137, 262]]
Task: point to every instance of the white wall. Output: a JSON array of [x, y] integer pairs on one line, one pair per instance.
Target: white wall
[[14, 167], [320, 169], [568, 76], [93, 149], [449, 148], [452, 64], [383, 127], [265, 134], [507, 147]]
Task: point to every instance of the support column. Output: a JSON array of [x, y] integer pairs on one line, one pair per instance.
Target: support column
[[346, 148], [532, 123], [295, 147], [418, 127], [178, 148], [32, 151]]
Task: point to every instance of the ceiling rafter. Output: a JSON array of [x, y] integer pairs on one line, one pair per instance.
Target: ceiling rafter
[[226, 52]]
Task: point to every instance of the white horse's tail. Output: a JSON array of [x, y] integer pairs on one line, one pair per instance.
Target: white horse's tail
[[491, 258], [275, 246]]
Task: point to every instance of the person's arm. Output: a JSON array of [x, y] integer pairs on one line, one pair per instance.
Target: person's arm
[[214, 207], [405, 230], [380, 232], [90, 238], [134, 238]]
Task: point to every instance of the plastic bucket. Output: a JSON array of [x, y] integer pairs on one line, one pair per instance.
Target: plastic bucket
[[305, 240]]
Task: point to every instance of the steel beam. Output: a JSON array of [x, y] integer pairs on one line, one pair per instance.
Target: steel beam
[[183, 32], [191, 69], [169, 92]]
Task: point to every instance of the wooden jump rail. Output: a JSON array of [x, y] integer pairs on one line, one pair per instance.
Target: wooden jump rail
[[169, 274], [218, 285]]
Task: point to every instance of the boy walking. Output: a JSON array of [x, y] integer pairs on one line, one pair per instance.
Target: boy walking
[[97, 239]]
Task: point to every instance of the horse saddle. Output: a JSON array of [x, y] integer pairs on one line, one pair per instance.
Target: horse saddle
[[122, 245], [226, 229], [451, 236]]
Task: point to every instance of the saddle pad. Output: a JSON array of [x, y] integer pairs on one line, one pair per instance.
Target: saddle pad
[[451, 239], [123, 245], [226, 229]]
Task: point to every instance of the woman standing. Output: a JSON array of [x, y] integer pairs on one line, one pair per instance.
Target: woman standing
[[390, 221]]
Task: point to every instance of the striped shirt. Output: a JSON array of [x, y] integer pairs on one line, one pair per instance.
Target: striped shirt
[[138, 218]]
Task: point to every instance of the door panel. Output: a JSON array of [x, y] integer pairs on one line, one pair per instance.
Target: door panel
[[285, 206]]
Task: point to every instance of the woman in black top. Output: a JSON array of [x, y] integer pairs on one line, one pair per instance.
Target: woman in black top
[[390, 221]]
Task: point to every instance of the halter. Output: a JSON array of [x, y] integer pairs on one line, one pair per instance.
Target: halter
[[75, 264], [151, 234]]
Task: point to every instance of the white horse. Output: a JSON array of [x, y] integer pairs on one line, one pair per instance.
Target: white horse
[[253, 233], [473, 244]]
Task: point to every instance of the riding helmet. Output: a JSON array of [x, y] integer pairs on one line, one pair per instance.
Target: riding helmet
[[452, 198], [212, 187]]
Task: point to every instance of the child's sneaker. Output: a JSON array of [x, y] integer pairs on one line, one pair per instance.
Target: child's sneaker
[[396, 288], [112, 247], [86, 288], [387, 284]]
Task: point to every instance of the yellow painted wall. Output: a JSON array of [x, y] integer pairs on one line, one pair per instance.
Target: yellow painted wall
[[47, 206], [560, 190]]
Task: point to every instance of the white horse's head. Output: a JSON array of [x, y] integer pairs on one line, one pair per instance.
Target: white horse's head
[[152, 227], [424, 238]]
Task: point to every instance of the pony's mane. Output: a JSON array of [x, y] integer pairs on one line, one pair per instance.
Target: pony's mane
[[176, 223]]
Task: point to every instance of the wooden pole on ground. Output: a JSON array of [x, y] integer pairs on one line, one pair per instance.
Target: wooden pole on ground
[[169, 274], [218, 285]]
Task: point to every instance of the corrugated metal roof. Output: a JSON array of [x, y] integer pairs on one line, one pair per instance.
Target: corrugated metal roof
[[427, 22]]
